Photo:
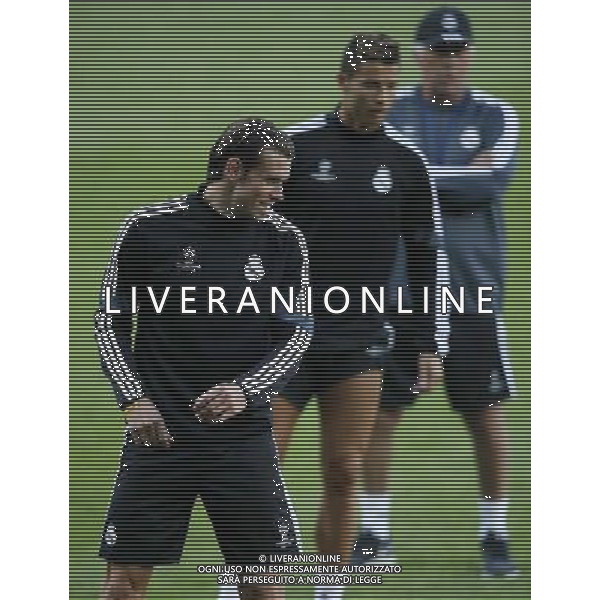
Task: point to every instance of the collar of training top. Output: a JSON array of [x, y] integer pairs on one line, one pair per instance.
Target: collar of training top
[[199, 205], [333, 120], [428, 103]]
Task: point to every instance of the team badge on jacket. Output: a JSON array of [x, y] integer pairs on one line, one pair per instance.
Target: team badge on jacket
[[189, 262], [470, 138], [324, 173], [382, 180], [254, 270]]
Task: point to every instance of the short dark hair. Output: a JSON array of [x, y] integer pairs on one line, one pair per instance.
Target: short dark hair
[[369, 47], [246, 139]]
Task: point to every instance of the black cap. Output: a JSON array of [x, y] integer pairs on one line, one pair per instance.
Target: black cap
[[444, 28]]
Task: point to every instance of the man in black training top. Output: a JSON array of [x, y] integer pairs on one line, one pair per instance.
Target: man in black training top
[[195, 387], [354, 188]]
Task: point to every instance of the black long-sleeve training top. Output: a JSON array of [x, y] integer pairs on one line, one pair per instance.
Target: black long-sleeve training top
[[352, 194], [171, 356]]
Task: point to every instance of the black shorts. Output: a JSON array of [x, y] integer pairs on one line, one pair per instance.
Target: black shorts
[[476, 371], [320, 370], [400, 374], [238, 482]]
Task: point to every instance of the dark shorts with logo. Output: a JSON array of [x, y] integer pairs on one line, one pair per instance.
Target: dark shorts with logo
[[476, 370], [238, 482]]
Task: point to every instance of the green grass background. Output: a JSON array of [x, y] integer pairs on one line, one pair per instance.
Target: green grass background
[[152, 85]]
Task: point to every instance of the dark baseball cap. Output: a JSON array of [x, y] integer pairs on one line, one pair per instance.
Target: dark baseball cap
[[444, 28]]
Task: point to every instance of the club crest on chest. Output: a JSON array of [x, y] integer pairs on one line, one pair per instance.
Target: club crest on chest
[[324, 174], [189, 264], [382, 180], [254, 270]]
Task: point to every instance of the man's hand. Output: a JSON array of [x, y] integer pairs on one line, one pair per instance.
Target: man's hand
[[146, 424], [430, 373], [219, 403]]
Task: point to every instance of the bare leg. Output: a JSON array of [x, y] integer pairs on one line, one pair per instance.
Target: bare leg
[[348, 413], [285, 418], [125, 582], [379, 453], [490, 438]]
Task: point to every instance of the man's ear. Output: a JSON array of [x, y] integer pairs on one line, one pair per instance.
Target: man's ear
[[342, 79], [419, 53], [233, 168]]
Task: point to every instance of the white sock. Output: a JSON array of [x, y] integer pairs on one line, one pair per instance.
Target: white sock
[[228, 592], [329, 592], [492, 516], [375, 514]]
